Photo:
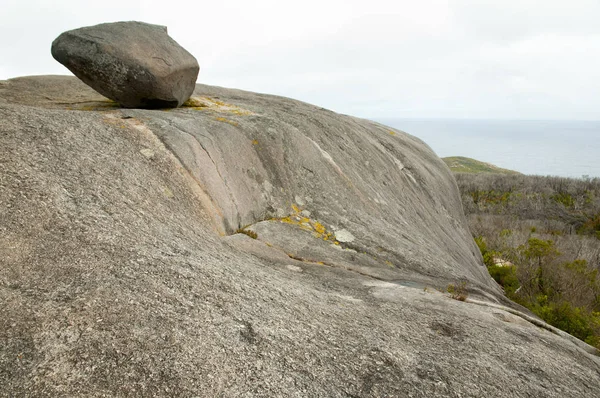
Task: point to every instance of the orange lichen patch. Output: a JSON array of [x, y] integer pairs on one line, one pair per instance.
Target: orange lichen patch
[[306, 224], [392, 132], [212, 104], [254, 142]]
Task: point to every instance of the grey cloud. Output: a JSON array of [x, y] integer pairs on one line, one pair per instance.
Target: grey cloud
[[517, 20]]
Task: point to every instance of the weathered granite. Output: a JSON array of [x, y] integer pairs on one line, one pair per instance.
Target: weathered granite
[[121, 272]]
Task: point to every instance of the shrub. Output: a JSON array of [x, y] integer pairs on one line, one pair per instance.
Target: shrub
[[458, 292], [546, 229], [506, 276], [488, 255], [564, 198], [539, 249], [574, 320]]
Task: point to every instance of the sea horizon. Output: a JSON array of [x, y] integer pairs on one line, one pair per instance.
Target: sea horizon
[[565, 148]]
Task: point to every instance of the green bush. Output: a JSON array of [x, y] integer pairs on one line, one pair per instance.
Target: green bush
[[574, 320], [506, 276], [539, 249], [564, 198], [480, 242], [488, 255], [513, 217]]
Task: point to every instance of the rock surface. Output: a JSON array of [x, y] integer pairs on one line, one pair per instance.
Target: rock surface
[[121, 272], [136, 64]]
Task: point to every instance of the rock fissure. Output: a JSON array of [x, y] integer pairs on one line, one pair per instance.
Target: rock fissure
[[224, 181]]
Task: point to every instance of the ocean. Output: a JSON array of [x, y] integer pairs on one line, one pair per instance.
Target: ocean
[[557, 148]]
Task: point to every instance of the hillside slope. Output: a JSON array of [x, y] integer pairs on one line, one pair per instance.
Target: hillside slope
[[129, 265], [461, 164]]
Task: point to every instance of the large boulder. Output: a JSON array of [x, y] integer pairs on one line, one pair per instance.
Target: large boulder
[[128, 266], [134, 63]]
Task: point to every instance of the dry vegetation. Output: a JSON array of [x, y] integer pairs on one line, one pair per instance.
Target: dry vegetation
[[540, 239]]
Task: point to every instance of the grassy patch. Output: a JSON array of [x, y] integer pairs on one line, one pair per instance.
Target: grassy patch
[[458, 292], [460, 164]]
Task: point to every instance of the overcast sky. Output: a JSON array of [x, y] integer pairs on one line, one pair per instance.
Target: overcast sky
[[515, 59]]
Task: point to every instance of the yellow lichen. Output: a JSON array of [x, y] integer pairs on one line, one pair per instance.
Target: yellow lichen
[[216, 102], [288, 220], [319, 228], [224, 120], [307, 224], [194, 103], [212, 104], [94, 106]]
